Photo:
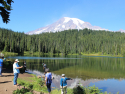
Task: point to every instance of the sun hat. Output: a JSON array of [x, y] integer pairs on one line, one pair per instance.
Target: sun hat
[[16, 60], [63, 75]]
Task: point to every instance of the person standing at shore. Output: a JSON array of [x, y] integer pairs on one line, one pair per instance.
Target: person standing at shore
[[63, 84], [1, 65], [48, 79], [44, 67], [16, 71], [24, 65]]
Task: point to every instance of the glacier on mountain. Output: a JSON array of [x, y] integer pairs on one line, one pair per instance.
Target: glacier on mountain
[[65, 23]]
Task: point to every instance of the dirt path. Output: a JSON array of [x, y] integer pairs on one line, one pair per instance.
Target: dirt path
[[6, 83]]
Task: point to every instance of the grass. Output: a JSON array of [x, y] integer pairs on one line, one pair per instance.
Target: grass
[[9, 53], [22, 91], [29, 53], [32, 83], [58, 91], [100, 54]]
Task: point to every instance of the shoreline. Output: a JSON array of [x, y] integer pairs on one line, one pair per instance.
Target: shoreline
[[6, 82], [24, 77], [44, 54]]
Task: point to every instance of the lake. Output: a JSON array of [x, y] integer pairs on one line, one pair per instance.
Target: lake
[[107, 73]]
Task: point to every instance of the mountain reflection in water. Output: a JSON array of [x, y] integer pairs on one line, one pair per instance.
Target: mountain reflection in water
[[71, 83]]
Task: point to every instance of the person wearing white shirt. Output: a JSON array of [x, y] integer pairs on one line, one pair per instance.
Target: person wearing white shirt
[[16, 71]]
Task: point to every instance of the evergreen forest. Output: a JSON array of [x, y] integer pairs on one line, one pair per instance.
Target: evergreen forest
[[66, 42]]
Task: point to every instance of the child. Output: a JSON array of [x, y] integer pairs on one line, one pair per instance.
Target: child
[[63, 84]]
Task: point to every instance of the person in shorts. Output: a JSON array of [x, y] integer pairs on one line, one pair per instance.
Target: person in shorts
[[48, 79]]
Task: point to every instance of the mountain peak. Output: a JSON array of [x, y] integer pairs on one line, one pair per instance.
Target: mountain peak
[[121, 30], [65, 23], [75, 20]]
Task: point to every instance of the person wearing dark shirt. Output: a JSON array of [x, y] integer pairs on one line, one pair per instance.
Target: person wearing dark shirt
[[63, 84], [44, 67], [24, 65]]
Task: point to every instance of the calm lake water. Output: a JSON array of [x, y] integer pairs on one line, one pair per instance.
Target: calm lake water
[[107, 73]]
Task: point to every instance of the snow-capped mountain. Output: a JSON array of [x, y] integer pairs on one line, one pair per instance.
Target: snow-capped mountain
[[65, 23], [121, 30]]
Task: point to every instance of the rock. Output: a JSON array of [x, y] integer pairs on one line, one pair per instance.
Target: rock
[[38, 76], [43, 76]]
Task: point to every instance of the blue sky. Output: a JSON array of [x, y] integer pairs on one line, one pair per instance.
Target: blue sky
[[29, 15]]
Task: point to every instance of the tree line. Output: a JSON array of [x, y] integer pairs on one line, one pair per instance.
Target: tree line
[[65, 42]]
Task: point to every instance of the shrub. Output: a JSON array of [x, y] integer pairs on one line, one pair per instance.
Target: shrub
[[22, 91], [78, 90], [93, 90]]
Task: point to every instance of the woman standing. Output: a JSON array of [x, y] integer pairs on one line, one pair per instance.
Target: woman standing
[[16, 71]]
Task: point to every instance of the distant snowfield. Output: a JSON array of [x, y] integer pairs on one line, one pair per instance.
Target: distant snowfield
[[75, 20]]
